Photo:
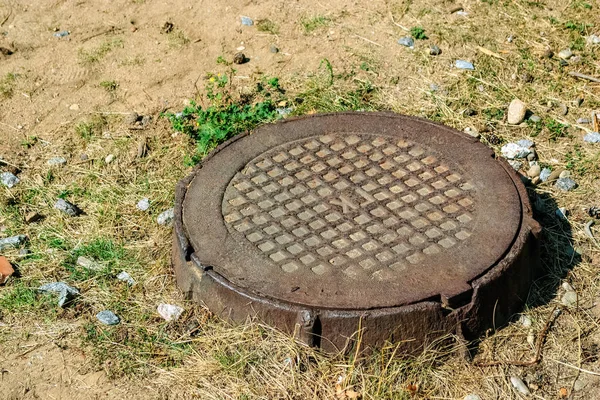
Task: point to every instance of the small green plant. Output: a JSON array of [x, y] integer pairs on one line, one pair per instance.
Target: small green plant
[[87, 129], [7, 85], [418, 33], [314, 23], [177, 38], [578, 27], [22, 298], [266, 25], [109, 86], [223, 61], [556, 129], [90, 57]]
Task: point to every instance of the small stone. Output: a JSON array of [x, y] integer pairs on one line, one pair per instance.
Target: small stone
[[565, 184], [6, 270], [534, 171], [584, 121], [578, 101], [239, 58], [9, 179], [548, 53], [67, 207], [532, 156], [510, 38], [561, 213], [83, 157], [514, 150], [554, 175], [146, 119], [569, 299], [108, 317], [88, 264], [169, 312], [462, 64], [519, 385], [472, 132], [24, 252], [143, 204], [593, 39], [407, 41], [564, 110], [74, 107], [535, 119], [55, 161], [564, 174], [579, 385], [12, 242], [565, 54], [166, 217], [434, 50], [109, 158], [536, 180], [132, 118], [531, 338], [515, 164], [516, 112], [125, 277], [284, 111], [545, 174], [472, 397], [526, 77], [563, 63], [592, 137], [525, 321], [66, 293], [246, 21], [274, 49], [32, 217]]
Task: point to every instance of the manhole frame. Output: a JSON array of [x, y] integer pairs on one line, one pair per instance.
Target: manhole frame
[[495, 297]]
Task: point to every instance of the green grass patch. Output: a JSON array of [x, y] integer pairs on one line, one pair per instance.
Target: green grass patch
[[418, 33], [21, 298], [93, 56], [311, 24], [7, 85], [266, 25]]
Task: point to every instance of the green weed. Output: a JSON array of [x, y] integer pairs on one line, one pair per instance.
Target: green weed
[[7, 85], [314, 23], [109, 86], [556, 129], [93, 56], [266, 25], [418, 33], [20, 298]]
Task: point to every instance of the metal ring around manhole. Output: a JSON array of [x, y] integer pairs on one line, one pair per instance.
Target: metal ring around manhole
[[328, 224]]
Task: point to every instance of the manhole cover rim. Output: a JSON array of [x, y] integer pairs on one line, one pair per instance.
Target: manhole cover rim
[[398, 120]]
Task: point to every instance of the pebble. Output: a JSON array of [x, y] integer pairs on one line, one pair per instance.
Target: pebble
[[6, 270], [565, 54], [246, 21], [561, 213], [61, 34], [592, 137], [584, 121], [125, 277], [564, 174], [274, 49], [462, 64], [514, 150], [516, 112], [535, 118], [472, 132], [579, 385], [548, 53], [239, 58], [525, 321], [472, 397], [74, 107], [569, 299], [534, 171], [132, 118], [536, 180], [143, 204], [109, 158], [169, 312], [519, 385], [532, 156], [593, 39], [166, 217], [544, 174], [515, 164], [108, 317], [83, 157], [12, 242], [531, 338], [66, 293], [32, 217], [565, 184], [563, 63], [407, 41], [56, 161], [9, 179], [284, 111], [24, 252], [434, 50], [68, 208], [88, 264]]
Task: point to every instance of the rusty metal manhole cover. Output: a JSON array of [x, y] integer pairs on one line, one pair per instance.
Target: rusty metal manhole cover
[[328, 224]]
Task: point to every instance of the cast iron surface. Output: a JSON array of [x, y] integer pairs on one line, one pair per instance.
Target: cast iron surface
[[352, 211]]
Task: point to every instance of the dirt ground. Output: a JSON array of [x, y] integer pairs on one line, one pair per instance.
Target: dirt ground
[[121, 57]]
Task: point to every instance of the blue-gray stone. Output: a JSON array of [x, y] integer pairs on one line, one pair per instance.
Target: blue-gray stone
[[565, 184], [592, 137], [545, 174], [434, 50], [61, 34], [12, 242], [166, 217], [108, 317], [407, 41], [125, 277], [66, 207], [66, 293], [284, 111], [462, 64], [9, 179], [526, 143], [247, 21]]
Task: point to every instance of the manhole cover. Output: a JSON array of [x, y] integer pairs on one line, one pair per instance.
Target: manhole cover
[[332, 224]]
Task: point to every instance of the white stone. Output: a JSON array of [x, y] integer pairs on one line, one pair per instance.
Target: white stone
[[525, 321], [109, 158], [169, 312], [143, 204], [74, 107], [516, 112], [472, 397], [166, 217], [534, 171], [569, 299], [519, 385]]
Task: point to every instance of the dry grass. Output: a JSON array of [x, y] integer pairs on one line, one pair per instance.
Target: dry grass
[[210, 359]]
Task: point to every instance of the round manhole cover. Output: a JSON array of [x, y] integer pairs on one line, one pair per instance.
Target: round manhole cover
[[329, 224]]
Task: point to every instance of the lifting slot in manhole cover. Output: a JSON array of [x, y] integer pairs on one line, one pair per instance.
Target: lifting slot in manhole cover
[[325, 224]]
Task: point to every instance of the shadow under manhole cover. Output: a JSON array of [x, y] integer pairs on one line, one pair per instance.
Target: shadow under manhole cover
[[329, 224]]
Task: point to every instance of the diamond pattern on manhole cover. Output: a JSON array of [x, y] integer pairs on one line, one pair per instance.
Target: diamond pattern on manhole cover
[[364, 204]]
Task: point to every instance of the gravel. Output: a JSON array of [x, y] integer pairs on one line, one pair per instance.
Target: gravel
[[545, 174], [565, 54], [12, 242], [535, 119], [569, 299], [434, 50], [166, 217], [66, 293], [143, 204], [109, 158], [55, 161], [9, 179], [247, 21], [125, 277], [169, 312], [515, 164], [407, 41], [108, 317], [534, 171], [516, 150], [592, 137], [88, 264], [565, 184], [519, 385], [68, 208], [472, 397], [462, 64]]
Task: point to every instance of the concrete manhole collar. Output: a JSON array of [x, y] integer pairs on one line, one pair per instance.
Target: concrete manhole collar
[[326, 224]]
